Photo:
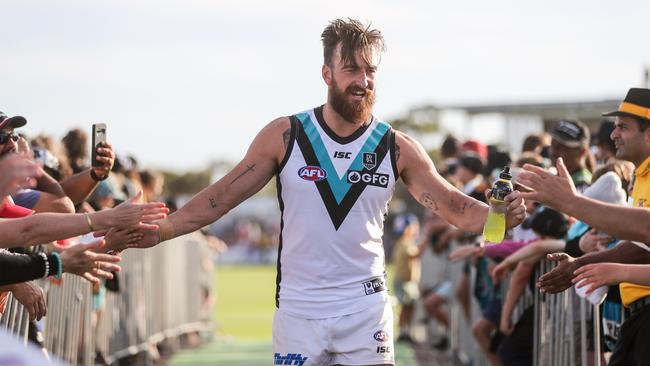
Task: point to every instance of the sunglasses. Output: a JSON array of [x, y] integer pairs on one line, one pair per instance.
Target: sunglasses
[[4, 137]]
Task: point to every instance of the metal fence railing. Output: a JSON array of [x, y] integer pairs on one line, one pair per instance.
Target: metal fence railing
[[161, 296], [566, 327]]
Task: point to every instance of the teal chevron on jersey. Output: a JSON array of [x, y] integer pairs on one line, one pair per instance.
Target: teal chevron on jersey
[[339, 185]]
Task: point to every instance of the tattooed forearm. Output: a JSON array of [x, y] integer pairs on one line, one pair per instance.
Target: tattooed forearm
[[249, 168], [397, 152], [286, 137], [213, 203], [427, 201], [460, 207]]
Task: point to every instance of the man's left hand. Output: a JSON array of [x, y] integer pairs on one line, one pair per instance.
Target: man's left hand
[[106, 159]]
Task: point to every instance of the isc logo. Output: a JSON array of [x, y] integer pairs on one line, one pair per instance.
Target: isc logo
[[383, 349], [312, 173]]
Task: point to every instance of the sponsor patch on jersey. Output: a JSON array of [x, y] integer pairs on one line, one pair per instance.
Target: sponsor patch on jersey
[[289, 359], [369, 160], [383, 349], [312, 173], [371, 179], [381, 336], [375, 285]]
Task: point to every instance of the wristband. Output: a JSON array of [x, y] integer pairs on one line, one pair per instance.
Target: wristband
[[96, 177], [59, 265], [46, 263], [90, 223]]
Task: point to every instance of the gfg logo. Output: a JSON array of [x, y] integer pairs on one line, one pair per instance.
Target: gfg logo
[[371, 179], [312, 173], [381, 336]]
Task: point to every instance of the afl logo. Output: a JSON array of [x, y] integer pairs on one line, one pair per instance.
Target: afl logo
[[312, 173], [381, 336]]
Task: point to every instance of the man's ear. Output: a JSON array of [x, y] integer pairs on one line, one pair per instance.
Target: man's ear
[[327, 74]]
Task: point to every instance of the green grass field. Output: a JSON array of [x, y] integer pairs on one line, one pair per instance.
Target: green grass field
[[244, 315]]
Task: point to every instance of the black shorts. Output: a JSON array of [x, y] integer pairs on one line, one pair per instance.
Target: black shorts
[[632, 346]]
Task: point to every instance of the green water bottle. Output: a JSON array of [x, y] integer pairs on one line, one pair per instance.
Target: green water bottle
[[495, 226]]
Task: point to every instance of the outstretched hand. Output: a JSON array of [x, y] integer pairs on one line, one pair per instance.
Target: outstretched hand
[[559, 278], [18, 172], [133, 214], [546, 188], [596, 275], [83, 261]]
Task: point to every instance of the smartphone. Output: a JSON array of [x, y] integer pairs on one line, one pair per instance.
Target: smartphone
[[99, 136]]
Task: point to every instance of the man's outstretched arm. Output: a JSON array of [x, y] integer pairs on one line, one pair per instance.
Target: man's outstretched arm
[[435, 193], [249, 176]]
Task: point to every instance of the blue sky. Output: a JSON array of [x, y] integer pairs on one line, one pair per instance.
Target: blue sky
[[180, 83]]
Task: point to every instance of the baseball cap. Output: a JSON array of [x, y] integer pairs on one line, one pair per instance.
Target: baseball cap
[[548, 222], [10, 210], [11, 122], [571, 133], [604, 131], [475, 146], [636, 104]]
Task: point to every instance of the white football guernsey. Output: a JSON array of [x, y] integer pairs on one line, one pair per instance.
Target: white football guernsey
[[333, 195]]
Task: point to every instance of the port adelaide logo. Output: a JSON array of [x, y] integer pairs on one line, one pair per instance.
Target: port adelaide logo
[[312, 173], [369, 160]]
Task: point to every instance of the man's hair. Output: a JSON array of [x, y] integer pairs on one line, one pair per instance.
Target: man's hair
[[353, 36]]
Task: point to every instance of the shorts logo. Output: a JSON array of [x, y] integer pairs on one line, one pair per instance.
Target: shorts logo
[[312, 173], [371, 179], [383, 349], [369, 160], [381, 336], [373, 286], [289, 359]]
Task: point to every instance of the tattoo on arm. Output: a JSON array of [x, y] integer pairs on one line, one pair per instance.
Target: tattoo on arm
[[427, 201], [249, 168], [460, 208], [286, 137], [397, 152], [213, 203]]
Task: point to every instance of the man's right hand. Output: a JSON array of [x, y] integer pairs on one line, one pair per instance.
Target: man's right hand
[[559, 278]]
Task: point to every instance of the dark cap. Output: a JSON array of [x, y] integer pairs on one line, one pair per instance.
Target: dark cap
[[472, 162], [548, 222], [11, 122], [604, 132], [636, 104], [571, 133]]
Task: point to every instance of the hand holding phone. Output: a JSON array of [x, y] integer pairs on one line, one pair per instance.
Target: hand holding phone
[[99, 137]]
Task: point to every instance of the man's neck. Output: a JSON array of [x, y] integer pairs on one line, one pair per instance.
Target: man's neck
[[338, 124]]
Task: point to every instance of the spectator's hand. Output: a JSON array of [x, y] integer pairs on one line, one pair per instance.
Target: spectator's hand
[[505, 325], [500, 271], [24, 149], [17, 172], [32, 298], [106, 158], [551, 190], [462, 252], [599, 274], [559, 278], [592, 241], [133, 214], [516, 211], [82, 261], [120, 239]]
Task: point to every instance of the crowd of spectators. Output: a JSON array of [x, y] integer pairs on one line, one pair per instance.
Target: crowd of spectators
[[577, 185], [61, 214]]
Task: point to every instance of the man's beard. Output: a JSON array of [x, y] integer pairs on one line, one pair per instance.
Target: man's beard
[[353, 112]]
